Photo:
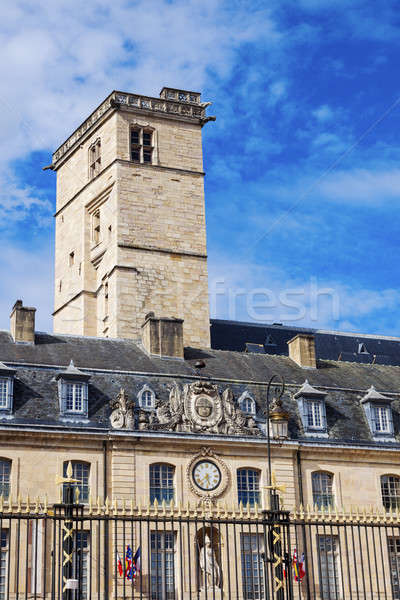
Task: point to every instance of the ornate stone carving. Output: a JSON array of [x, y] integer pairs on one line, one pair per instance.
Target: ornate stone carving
[[122, 412], [199, 408]]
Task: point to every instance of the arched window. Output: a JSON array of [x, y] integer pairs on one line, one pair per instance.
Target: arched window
[[247, 403], [390, 489], [322, 489], [248, 483], [5, 471], [146, 397], [81, 472], [161, 482]]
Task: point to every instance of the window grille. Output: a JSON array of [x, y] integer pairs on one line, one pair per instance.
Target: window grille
[[5, 472], [142, 145], [248, 484], [322, 489], [329, 567], [3, 563], [252, 552], [162, 565], [6, 392], [80, 472], [390, 489], [394, 565], [161, 483], [82, 562], [382, 421]]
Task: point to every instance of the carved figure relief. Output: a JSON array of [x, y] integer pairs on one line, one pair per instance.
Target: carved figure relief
[[122, 416], [199, 408]]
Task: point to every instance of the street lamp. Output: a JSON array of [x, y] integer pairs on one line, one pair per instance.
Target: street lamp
[[277, 420]]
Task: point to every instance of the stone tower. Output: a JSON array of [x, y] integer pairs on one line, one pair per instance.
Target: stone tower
[[130, 220]]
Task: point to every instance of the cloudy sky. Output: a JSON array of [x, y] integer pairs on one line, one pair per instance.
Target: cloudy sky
[[303, 162]]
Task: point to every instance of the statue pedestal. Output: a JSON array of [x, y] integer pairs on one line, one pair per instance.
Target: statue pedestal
[[212, 592]]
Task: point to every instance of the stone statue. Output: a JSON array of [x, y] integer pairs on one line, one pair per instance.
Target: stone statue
[[211, 574], [122, 412]]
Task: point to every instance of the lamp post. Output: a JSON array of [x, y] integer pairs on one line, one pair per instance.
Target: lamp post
[[276, 410]]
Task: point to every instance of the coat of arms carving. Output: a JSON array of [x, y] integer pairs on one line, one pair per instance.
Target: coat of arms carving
[[199, 408]]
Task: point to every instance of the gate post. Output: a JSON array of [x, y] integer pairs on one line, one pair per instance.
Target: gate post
[[70, 580], [279, 540]]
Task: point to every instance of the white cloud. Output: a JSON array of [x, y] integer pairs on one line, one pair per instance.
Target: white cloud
[[26, 277], [323, 113]]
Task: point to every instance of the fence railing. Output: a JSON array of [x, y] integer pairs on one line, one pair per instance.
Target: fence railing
[[118, 550]]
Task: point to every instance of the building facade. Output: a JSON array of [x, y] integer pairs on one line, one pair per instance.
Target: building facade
[[129, 392]]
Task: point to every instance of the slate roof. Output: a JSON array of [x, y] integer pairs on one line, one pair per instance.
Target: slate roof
[[113, 364], [329, 345]]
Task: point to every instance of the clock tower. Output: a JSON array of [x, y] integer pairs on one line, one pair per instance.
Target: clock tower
[[130, 219]]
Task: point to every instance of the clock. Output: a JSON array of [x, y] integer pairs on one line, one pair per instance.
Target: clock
[[206, 475]]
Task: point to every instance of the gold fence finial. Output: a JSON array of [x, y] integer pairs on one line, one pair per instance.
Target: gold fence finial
[[28, 504], [98, 505], [19, 504], [107, 506], [90, 504], [45, 506], [1, 503], [77, 494]]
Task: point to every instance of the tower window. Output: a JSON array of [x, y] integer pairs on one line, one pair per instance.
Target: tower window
[[94, 159], [71, 258], [141, 145]]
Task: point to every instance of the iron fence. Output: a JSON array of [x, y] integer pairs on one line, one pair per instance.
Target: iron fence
[[111, 550]]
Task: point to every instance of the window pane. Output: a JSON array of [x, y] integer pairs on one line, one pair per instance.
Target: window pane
[[162, 565], [147, 156], [5, 470], [147, 138], [135, 155], [381, 418], [161, 483], [3, 563], [74, 397], [394, 561], [252, 548], [3, 392], [314, 413], [322, 489], [80, 471], [135, 136], [390, 488], [329, 566], [248, 482]]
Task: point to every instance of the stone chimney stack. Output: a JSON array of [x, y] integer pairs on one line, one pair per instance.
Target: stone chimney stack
[[163, 336], [302, 350], [22, 323]]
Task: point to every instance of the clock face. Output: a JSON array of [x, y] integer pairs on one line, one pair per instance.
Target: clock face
[[206, 475]]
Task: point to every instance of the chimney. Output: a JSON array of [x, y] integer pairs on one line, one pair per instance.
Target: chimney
[[22, 323], [302, 350], [163, 336]]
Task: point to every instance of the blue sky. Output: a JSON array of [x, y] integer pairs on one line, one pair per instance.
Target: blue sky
[[303, 162]]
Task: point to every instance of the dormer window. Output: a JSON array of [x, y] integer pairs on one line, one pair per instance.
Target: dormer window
[[6, 388], [362, 349], [379, 414], [142, 145], [247, 404], [73, 392], [312, 410], [146, 398]]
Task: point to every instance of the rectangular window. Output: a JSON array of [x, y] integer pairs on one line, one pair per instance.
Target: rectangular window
[[5, 470], [394, 562], [252, 550], [314, 414], [74, 397], [141, 145], [382, 419], [329, 567], [3, 562], [162, 565], [161, 483], [81, 565], [4, 385], [71, 258]]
